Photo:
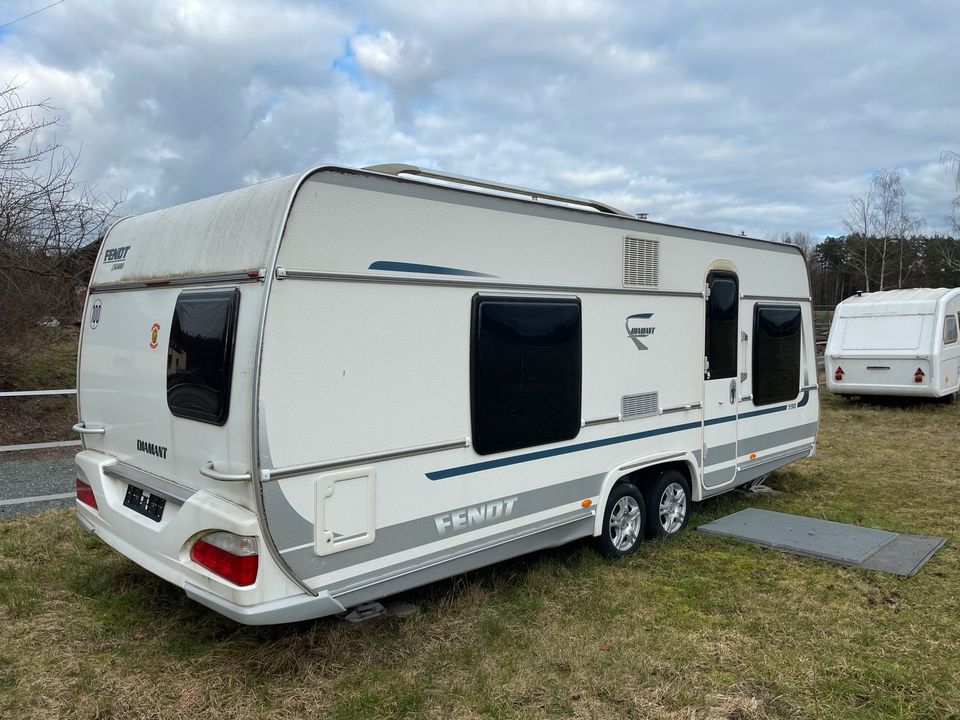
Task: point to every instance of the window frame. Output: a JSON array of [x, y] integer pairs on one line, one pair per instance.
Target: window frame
[[956, 328], [757, 369], [708, 339], [230, 340], [479, 442]]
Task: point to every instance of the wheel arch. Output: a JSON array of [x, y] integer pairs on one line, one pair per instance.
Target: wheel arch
[[640, 471]]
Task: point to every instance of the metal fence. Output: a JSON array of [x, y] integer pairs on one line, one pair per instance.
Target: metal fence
[[42, 445]]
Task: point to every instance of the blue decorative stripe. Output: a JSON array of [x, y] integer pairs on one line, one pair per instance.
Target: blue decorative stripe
[[566, 450], [429, 269], [540, 454]]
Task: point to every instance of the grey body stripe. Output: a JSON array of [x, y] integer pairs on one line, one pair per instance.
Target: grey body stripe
[[435, 567], [420, 531], [759, 443], [754, 471], [291, 531], [288, 527]]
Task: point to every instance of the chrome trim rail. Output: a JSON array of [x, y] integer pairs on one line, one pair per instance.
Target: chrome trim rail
[[393, 279], [250, 276], [207, 470], [746, 398], [82, 429], [775, 298], [150, 482], [680, 408], [785, 454], [809, 388], [602, 421], [403, 169], [279, 473]]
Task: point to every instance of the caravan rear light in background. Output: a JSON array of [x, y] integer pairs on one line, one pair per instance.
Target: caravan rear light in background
[[838, 375], [918, 375], [230, 556], [85, 494]]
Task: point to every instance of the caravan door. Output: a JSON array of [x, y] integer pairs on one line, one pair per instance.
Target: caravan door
[[720, 393]]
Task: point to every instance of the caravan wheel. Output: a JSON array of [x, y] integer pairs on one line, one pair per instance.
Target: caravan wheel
[[668, 504], [623, 521]]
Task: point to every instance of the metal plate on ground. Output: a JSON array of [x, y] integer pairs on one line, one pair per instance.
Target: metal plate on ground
[[824, 539], [905, 555], [837, 542]]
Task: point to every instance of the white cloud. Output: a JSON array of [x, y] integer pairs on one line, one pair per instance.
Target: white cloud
[[753, 116]]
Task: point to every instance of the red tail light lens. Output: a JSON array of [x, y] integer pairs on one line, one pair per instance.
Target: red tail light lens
[[233, 557], [85, 494]]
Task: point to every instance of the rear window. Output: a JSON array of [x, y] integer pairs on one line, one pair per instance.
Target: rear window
[[200, 355], [883, 332]]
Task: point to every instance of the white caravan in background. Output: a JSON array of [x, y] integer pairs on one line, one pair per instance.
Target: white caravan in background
[[298, 397], [896, 342]]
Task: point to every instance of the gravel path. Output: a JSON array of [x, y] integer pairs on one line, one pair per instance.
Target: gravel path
[[33, 474]]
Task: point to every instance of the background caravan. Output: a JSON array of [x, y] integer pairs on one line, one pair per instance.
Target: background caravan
[[304, 395], [897, 342]]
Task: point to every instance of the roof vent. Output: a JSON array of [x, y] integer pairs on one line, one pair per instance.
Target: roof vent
[[641, 262]]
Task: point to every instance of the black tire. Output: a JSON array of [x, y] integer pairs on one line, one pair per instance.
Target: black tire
[[668, 504], [623, 521]]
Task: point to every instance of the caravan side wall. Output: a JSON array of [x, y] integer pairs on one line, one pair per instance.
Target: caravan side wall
[[367, 351]]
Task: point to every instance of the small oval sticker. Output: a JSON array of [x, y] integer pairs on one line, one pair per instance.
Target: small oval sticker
[[154, 334], [95, 315]]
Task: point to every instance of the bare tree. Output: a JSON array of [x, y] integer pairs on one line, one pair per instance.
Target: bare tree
[[46, 218], [952, 161], [802, 240], [878, 222]]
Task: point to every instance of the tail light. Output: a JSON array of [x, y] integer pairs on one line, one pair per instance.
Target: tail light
[[233, 557], [918, 375], [838, 375], [85, 494]]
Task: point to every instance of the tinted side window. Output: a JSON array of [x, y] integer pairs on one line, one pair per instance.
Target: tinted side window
[[200, 355], [525, 368], [722, 329], [949, 329], [776, 353]]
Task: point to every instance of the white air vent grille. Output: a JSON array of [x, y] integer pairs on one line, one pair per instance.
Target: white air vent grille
[[641, 262], [642, 405]]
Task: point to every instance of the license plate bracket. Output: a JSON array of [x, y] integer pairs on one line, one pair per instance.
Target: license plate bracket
[[141, 501]]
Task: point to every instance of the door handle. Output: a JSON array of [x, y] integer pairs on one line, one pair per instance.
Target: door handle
[[207, 471], [733, 391], [82, 429]]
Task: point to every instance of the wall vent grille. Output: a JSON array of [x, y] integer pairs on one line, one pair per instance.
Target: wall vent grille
[[637, 406], [641, 262]]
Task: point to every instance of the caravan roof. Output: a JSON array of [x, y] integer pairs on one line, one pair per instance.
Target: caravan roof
[[911, 301]]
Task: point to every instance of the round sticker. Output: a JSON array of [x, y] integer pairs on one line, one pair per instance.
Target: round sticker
[[95, 315], [154, 334]]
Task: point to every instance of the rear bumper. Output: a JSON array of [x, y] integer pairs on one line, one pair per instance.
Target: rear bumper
[[849, 388], [164, 549]]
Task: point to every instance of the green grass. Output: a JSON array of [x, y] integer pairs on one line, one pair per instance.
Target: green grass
[[694, 627]]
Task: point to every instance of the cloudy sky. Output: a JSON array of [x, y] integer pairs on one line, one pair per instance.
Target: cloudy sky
[[745, 115]]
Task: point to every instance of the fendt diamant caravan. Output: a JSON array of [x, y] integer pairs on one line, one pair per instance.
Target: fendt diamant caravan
[[896, 342], [301, 396]]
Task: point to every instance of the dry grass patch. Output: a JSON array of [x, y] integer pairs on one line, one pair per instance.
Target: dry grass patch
[[695, 628]]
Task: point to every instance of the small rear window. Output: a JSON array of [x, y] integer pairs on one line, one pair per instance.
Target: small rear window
[[949, 330], [200, 355]]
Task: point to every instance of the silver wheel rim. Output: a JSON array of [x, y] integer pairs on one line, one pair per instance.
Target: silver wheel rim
[[625, 523], [673, 507]]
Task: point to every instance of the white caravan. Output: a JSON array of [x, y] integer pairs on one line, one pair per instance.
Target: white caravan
[[298, 397], [896, 342]]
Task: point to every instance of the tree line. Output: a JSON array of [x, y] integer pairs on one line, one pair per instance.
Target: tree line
[[884, 247]]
